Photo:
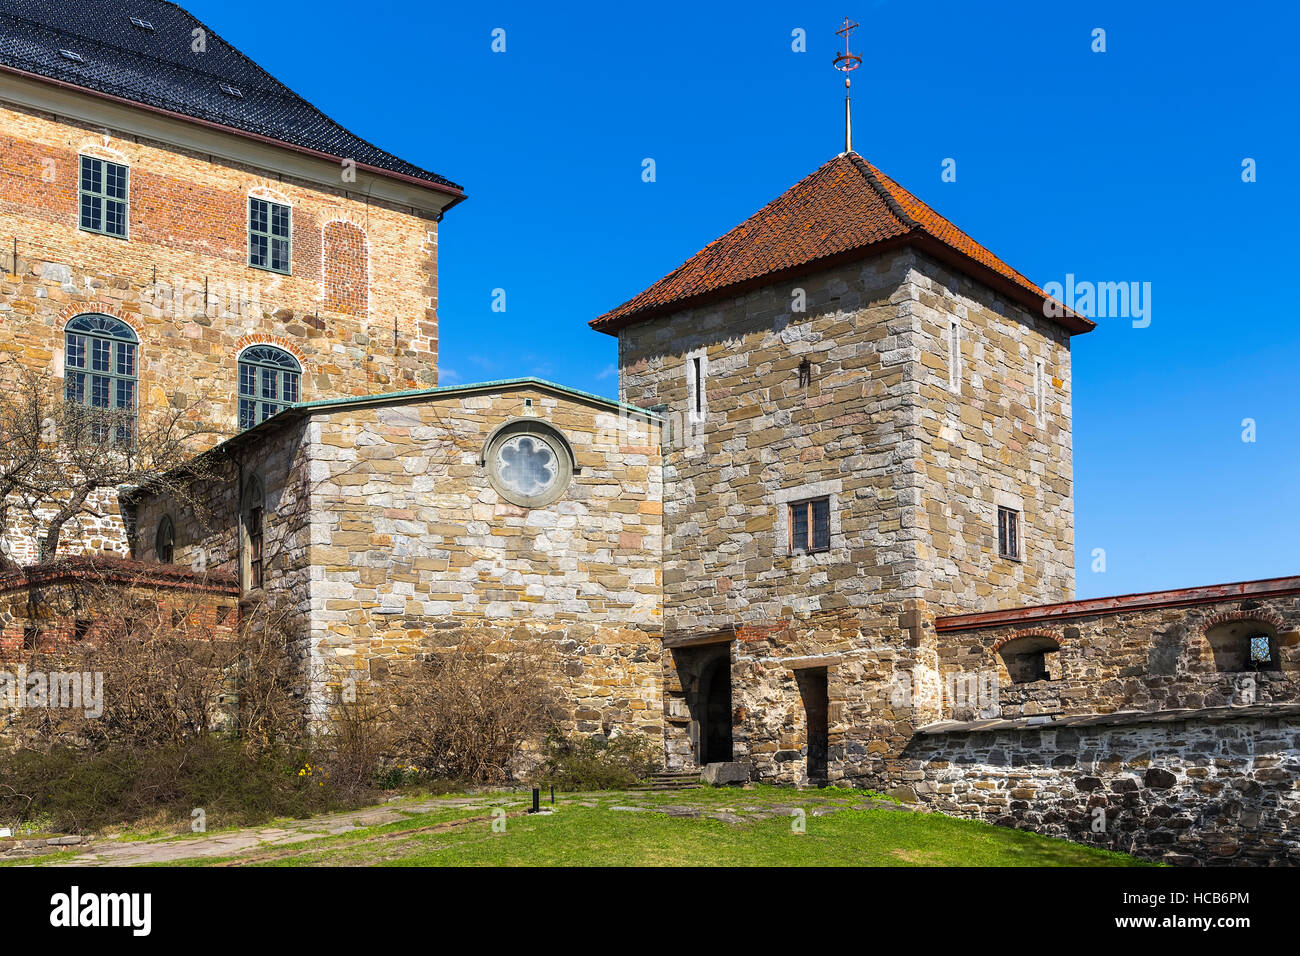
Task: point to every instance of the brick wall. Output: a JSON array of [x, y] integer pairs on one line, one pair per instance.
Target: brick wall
[[50, 607]]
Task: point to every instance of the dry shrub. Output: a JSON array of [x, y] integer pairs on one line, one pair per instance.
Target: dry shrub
[[597, 763], [359, 744], [194, 715], [170, 675], [474, 712]]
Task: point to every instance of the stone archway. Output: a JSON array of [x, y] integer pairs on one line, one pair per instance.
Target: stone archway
[[705, 674]]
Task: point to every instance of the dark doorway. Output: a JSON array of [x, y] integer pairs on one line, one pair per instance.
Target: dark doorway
[[715, 727], [816, 706], [705, 673]]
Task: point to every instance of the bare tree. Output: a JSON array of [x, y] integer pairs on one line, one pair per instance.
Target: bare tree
[[61, 460]]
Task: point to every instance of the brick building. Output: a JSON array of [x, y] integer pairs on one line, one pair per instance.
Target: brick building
[[826, 534], [222, 243]]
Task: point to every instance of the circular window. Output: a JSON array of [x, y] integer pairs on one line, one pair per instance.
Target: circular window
[[529, 464]]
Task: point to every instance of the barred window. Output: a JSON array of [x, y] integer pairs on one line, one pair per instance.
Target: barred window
[[104, 196], [269, 235], [99, 371], [810, 525], [268, 383]]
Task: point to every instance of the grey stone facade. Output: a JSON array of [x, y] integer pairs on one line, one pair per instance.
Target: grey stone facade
[[914, 470], [383, 530]]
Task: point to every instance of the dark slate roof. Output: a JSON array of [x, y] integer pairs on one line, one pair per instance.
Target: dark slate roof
[[158, 68]]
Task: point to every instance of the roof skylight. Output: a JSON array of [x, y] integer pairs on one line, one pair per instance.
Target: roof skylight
[[72, 55], [232, 90], [142, 24]]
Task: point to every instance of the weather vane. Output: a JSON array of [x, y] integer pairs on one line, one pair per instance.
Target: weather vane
[[846, 63]]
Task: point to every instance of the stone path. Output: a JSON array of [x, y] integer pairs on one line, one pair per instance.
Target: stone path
[[236, 842]]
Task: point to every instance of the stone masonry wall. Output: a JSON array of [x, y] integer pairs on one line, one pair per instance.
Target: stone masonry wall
[[844, 400], [1212, 788], [984, 443], [208, 530], [416, 551], [1153, 659], [412, 550]]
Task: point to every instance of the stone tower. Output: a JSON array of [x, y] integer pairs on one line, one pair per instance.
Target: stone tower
[[868, 426]]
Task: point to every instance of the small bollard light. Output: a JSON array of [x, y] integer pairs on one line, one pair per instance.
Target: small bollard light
[[537, 801], [552, 794]]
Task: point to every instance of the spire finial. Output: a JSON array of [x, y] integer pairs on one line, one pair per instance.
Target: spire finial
[[846, 63]]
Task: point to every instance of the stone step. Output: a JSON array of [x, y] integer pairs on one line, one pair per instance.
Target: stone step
[[671, 780]]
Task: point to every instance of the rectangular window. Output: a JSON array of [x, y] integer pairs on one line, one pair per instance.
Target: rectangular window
[[810, 525], [954, 356], [255, 570], [269, 234], [1009, 533], [698, 371], [104, 196], [697, 395], [1040, 391]]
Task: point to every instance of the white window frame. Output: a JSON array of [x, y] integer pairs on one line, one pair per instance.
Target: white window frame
[[103, 196], [954, 355], [1040, 391], [271, 199], [1019, 511]]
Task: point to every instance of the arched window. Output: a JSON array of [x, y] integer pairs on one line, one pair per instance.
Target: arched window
[[268, 383], [164, 542], [99, 370]]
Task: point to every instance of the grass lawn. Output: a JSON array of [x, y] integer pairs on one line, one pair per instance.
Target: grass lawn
[[842, 828]]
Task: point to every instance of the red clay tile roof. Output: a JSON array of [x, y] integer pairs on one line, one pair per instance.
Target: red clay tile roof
[[845, 210], [110, 569]]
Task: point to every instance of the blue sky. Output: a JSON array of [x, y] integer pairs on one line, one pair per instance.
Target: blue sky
[[1116, 166]]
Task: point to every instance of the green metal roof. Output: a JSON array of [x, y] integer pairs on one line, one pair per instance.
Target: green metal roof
[[305, 409], [443, 390]]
